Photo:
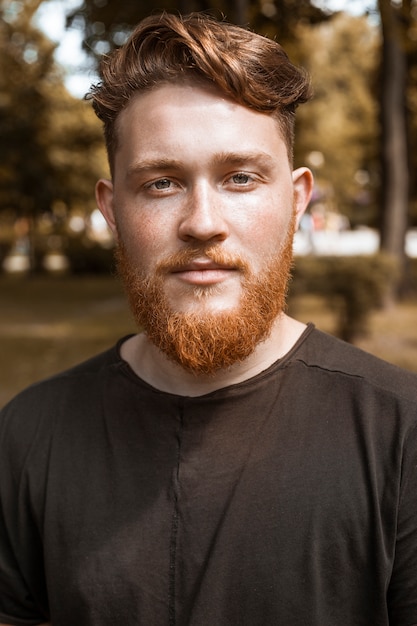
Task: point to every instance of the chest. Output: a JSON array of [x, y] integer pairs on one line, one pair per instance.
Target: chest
[[181, 520]]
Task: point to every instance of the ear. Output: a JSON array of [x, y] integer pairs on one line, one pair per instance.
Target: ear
[[104, 199], [303, 183]]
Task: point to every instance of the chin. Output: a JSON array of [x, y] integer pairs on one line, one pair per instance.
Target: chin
[[205, 308], [209, 299]]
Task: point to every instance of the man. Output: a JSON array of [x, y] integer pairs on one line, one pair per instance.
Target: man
[[228, 465]]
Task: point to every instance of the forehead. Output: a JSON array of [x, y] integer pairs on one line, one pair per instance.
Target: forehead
[[193, 116]]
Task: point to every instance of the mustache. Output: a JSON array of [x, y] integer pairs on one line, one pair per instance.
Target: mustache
[[183, 257]]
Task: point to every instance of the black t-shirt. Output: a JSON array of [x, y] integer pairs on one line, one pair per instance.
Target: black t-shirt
[[288, 499]]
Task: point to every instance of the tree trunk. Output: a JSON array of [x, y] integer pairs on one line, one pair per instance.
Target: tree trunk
[[241, 12], [394, 153]]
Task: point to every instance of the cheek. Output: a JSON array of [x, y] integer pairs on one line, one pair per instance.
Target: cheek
[[269, 230], [145, 241], [269, 213]]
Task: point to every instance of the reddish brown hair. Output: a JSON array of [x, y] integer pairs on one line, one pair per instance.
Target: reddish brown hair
[[250, 69]]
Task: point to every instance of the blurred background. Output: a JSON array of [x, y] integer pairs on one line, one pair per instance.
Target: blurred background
[[356, 252]]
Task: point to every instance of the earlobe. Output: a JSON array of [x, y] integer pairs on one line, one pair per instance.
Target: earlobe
[[104, 199], [303, 182]]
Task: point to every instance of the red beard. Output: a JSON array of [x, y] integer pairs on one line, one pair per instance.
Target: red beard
[[204, 343]]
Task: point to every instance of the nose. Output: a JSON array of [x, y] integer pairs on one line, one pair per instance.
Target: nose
[[203, 218]]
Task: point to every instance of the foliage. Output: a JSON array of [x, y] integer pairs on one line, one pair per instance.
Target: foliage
[[26, 64], [76, 150], [341, 122], [50, 143], [354, 286], [107, 24]]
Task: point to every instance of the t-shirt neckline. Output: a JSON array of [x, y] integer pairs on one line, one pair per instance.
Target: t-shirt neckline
[[278, 364]]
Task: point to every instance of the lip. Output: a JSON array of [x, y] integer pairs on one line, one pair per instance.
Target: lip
[[203, 272]]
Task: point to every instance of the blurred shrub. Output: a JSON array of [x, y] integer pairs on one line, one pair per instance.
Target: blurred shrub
[[4, 251], [86, 257], [353, 286], [411, 269]]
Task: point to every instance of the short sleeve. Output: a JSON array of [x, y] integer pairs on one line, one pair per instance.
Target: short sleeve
[[402, 591], [23, 597]]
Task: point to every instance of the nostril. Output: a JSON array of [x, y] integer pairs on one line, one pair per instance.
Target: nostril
[[203, 223]]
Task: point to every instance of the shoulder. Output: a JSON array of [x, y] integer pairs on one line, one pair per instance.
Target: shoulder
[[38, 406], [342, 360], [90, 369]]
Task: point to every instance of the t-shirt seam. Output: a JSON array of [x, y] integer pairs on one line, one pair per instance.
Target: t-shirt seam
[[280, 365], [173, 548], [403, 483], [371, 383]]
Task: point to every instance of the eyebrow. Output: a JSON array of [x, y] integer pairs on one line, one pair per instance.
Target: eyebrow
[[238, 158], [221, 158], [153, 164]]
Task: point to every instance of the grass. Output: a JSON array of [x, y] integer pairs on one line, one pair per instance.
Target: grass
[[391, 333], [48, 324]]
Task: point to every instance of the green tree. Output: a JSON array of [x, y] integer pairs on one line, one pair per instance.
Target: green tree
[[51, 148], [338, 129], [26, 64], [107, 24]]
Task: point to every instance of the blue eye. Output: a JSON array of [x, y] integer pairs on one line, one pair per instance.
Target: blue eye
[[241, 179], [163, 183]]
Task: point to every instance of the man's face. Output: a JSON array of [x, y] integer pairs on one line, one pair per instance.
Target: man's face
[[203, 203]]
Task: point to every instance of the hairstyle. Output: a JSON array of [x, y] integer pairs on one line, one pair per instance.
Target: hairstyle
[[252, 70]]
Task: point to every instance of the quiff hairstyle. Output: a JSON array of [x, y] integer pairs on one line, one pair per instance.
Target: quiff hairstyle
[[252, 70]]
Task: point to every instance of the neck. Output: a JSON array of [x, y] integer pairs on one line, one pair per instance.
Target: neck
[[153, 367]]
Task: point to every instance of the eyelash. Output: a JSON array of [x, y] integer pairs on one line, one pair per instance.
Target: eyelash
[[242, 174], [152, 186]]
